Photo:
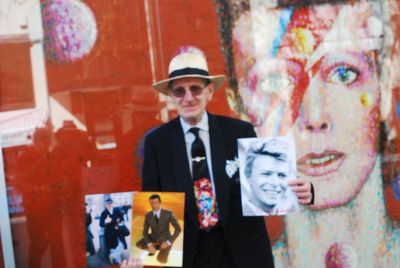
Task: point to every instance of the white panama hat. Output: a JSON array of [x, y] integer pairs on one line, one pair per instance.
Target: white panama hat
[[189, 62]]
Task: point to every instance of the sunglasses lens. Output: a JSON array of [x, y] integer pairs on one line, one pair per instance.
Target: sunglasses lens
[[196, 90], [179, 92]]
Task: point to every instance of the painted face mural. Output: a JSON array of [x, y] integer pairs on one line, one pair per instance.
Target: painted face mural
[[311, 71], [326, 91]]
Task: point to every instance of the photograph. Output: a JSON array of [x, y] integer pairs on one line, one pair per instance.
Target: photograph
[[266, 165], [108, 228], [157, 228]]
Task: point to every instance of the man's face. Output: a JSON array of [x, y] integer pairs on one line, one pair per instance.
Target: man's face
[[191, 107], [109, 206], [155, 204], [268, 179], [206, 201]]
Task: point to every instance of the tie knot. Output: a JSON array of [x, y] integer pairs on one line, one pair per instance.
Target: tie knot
[[195, 131]]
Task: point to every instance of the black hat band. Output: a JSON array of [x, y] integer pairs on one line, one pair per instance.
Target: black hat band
[[188, 71]]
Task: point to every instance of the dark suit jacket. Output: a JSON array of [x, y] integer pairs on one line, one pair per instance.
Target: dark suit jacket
[[160, 231], [111, 233], [166, 168]]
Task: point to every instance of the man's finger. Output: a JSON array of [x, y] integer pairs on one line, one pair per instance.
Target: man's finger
[[303, 195], [305, 201], [298, 182], [303, 188]]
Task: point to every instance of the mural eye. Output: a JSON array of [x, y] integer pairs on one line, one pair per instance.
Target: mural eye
[[278, 83], [343, 75]]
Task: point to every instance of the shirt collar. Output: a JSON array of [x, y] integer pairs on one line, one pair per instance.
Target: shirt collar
[[157, 212], [203, 124]]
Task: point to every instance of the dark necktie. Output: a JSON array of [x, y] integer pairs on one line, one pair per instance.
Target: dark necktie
[[199, 161], [155, 215], [205, 199]]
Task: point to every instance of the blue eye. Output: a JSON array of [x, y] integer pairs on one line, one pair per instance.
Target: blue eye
[[343, 75]]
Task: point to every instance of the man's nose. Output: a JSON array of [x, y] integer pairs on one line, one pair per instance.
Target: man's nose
[[188, 95], [273, 180], [313, 115]]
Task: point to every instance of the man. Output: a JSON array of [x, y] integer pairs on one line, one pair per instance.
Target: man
[[115, 243], [267, 171], [125, 209], [193, 150], [89, 236], [158, 221]]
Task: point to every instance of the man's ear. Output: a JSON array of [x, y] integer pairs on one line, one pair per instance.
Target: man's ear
[[211, 89]]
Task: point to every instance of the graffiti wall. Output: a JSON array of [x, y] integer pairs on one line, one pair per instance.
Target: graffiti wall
[[323, 72]]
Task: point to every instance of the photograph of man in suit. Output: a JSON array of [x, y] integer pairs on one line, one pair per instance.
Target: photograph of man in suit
[[156, 230], [110, 220], [196, 146]]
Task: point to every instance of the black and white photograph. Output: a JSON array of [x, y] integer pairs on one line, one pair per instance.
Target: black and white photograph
[[266, 165]]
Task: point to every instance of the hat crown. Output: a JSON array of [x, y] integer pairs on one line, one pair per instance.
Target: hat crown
[[187, 60], [109, 200]]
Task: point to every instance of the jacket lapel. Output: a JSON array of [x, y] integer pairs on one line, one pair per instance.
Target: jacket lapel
[[218, 158], [182, 170], [161, 219]]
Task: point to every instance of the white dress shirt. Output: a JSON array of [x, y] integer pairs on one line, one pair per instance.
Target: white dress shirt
[[157, 213]]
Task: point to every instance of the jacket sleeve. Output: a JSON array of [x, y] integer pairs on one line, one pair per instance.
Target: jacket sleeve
[[146, 227], [177, 227], [150, 173], [103, 217], [250, 133]]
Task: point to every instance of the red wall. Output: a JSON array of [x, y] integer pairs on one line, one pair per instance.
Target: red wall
[[110, 92]]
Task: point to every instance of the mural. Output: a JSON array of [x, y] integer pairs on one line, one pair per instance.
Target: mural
[[70, 30], [323, 73]]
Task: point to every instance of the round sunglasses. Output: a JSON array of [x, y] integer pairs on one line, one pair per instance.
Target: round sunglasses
[[195, 90]]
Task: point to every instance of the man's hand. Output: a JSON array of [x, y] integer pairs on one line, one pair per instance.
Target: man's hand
[[132, 263], [302, 189], [108, 219], [165, 245]]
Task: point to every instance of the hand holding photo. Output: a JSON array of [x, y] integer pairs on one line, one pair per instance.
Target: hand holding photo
[[267, 165]]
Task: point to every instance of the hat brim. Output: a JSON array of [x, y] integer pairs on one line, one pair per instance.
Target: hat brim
[[216, 80]]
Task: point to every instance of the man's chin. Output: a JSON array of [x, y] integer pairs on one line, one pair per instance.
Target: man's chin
[[191, 117], [270, 203]]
